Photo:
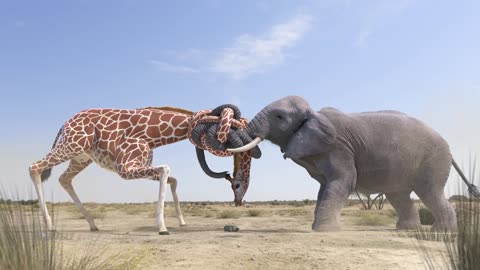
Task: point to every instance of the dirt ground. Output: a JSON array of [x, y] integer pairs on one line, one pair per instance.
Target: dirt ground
[[270, 237]]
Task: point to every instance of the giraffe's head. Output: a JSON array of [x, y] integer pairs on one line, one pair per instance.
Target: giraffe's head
[[241, 176]]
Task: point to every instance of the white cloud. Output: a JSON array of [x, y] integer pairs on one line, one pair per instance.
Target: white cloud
[[250, 54], [167, 67]]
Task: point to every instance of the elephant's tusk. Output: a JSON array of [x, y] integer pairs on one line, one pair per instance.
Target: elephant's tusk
[[246, 147]]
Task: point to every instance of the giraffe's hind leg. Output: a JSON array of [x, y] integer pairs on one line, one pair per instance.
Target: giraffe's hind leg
[[173, 187], [77, 164], [67, 148]]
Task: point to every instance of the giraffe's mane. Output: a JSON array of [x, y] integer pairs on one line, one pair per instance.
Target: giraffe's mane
[[170, 109]]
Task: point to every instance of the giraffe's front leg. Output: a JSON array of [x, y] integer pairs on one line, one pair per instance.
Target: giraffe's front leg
[[160, 174], [173, 186], [133, 161], [164, 172]]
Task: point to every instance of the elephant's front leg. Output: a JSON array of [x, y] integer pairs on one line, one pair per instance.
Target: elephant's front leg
[[332, 196]]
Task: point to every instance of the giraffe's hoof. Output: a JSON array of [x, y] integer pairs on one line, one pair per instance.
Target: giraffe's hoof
[[94, 229], [183, 224], [164, 233]]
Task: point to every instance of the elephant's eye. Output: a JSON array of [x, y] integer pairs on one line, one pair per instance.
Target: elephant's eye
[[237, 186], [279, 117]]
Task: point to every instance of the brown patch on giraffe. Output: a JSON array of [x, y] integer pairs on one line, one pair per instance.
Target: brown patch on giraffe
[[102, 144], [153, 132], [180, 132], [134, 119], [177, 120], [152, 120], [124, 124], [143, 120], [167, 132], [163, 126], [166, 117], [103, 121]]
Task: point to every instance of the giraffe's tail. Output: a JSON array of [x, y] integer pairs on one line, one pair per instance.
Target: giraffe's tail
[[46, 173]]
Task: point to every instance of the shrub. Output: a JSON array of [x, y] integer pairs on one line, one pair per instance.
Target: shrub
[[369, 218], [255, 212], [426, 216], [228, 214]]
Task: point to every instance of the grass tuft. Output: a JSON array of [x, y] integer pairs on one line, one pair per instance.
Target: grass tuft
[[255, 212], [26, 244], [228, 214], [372, 218]]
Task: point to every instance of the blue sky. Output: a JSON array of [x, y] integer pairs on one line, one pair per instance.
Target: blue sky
[[59, 57]]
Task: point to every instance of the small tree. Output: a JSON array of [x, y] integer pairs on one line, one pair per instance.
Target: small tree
[[377, 201]]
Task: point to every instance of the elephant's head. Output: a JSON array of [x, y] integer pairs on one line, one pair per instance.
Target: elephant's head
[[294, 126]]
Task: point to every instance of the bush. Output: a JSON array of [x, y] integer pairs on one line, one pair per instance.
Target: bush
[[255, 212], [369, 218], [426, 216], [228, 214]]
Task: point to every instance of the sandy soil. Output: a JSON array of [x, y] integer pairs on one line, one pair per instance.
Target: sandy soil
[[280, 238]]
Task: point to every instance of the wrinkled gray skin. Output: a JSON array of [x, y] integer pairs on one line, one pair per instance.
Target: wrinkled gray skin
[[386, 151]]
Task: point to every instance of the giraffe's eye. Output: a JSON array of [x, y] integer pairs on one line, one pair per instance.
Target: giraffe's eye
[[237, 186]]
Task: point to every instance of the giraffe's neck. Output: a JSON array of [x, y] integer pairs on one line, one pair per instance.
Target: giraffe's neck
[[242, 165], [166, 127]]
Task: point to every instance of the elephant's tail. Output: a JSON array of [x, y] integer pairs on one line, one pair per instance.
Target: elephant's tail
[[472, 189]]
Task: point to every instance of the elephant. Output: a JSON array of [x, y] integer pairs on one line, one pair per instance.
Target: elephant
[[375, 152]]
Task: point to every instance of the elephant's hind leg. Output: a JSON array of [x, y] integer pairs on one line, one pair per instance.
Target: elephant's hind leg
[[406, 211], [430, 187], [442, 210]]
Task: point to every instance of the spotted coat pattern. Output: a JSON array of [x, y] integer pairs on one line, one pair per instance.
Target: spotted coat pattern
[[120, 141]]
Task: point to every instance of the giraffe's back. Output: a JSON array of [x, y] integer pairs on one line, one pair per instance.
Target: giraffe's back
[[101, 131]]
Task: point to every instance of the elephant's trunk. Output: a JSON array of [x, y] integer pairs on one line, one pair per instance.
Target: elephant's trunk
[[259, 125], [205, 168], [257, 128]]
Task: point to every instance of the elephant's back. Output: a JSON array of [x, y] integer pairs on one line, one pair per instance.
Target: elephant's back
[[397, 147]]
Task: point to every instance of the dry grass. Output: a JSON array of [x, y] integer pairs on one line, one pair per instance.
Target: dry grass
[[373, 218], [255, 212], [25, 244], [95, 213], [228, 214]]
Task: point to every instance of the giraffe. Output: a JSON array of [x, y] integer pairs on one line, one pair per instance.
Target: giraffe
[[122, 141]]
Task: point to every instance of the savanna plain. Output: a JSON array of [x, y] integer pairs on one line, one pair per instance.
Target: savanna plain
[[272, 235]]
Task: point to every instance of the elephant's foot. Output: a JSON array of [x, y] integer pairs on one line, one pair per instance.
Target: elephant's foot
[[326, 227]]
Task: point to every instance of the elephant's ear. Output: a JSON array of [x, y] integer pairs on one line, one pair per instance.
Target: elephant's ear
[[317, 135]]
